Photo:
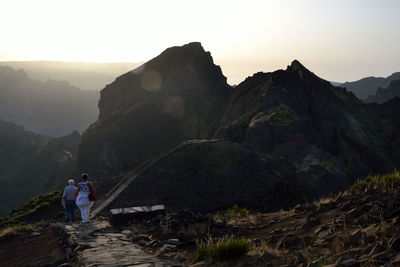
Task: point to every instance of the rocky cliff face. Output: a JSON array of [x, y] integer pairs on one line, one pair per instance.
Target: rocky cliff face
[[173, 97], [324, 131], [31, 164], [385, 94]]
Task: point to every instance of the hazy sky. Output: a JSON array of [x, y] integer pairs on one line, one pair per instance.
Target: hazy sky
[[339, 40]]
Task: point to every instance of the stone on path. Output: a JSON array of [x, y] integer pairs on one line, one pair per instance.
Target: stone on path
[[99, 244]]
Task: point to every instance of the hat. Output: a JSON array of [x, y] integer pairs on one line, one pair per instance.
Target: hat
[[71, 182]]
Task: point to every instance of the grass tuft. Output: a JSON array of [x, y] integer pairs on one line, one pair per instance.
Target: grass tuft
[[223, 249], [235, 211]]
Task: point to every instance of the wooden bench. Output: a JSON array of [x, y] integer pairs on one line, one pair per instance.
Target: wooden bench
[[126, 216]]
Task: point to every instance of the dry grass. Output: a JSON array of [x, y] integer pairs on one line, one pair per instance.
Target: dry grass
[[262, 248], [381, 182], [14, 230]]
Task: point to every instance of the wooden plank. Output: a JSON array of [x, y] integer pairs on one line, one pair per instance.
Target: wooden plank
[[137, 209]]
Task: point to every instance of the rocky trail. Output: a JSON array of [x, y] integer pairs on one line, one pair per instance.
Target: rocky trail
[[98, 244]]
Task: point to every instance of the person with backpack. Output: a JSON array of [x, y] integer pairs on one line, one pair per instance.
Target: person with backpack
[[85, 197], [68, 201]]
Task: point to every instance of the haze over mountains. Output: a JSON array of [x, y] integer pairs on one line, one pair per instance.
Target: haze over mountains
[[53, 108], [85, 75]]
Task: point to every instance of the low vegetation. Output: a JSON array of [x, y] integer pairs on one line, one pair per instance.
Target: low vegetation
[[21, 228], [282, 116], [382, 182], [223, 249], [236, 211], [18, 215]]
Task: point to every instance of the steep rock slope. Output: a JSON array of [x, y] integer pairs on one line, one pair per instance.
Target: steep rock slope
[[32, 164], [213, 175], [324, 131], [52, 108], [173, 97], [385, 94], [369, 85]]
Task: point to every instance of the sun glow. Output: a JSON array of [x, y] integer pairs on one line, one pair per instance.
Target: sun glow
[[331, 37]]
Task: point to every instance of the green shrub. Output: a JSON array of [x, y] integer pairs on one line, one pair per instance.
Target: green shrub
[[376, 182], [282, 115], [223, 249], [236, 211]]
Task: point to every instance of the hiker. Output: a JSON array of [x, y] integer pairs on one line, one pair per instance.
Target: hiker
[[68, 201], [85, 188]]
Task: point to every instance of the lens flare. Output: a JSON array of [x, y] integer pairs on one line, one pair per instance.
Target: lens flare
[[174, 105], [151, 80]]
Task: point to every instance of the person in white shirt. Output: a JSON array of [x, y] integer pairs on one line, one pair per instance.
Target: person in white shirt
[[82, 200], [68, 201]]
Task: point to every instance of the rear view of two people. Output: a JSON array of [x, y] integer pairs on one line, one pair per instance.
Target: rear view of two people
[[82, 196]]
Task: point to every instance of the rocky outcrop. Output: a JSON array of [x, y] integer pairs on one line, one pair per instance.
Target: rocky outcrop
[[53, 108], [385, 94], [173, 97]]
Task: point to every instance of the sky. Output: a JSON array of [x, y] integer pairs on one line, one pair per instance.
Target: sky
[[339, 40]]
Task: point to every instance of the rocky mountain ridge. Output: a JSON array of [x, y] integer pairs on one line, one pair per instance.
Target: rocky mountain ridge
[[288, 131]]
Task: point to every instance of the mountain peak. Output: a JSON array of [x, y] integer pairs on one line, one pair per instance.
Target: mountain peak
[[299, 68], [180, 56]]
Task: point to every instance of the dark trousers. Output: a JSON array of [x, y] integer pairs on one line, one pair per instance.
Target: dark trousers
[[70, 210]]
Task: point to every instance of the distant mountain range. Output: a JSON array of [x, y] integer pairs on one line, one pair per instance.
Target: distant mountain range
[[85, 75], [52, 108], [368, 86]]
